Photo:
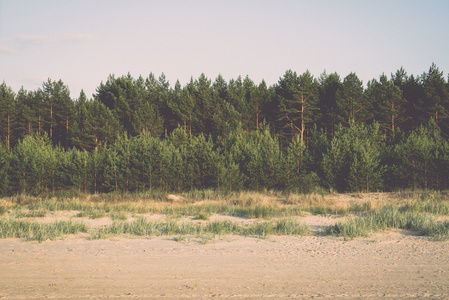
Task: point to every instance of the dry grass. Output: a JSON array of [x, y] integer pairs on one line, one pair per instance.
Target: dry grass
[[269, 206]]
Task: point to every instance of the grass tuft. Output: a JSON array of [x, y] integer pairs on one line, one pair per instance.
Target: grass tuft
[[388, 218], [32, 231]]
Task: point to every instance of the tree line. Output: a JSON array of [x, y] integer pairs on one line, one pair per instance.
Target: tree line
[[299, 134]]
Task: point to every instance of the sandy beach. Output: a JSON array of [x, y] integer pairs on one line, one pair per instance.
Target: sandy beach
[[393, 264]]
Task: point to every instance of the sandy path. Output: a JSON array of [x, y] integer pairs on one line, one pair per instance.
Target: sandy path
[[391, 265]]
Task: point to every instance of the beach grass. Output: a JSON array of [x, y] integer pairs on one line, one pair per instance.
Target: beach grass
[[33, 231], [267, 212], [391, 217]]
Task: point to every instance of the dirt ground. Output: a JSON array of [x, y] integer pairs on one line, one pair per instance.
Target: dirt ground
[[393, 264]]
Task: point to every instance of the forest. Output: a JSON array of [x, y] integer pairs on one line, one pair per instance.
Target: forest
[[301, 134]]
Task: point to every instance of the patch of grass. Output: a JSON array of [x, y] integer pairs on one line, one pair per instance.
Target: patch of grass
[[22, 199], [428, 206], [387, 218], [205, 238], [263, 229], [258, 211], [201, 216], [55, 204], [180, 238], [284, 226], [63, 195], [288, 226], [142, 227], [202, 195], [32, 231], [91, 214], [3, 210], [222, 227], [21, 213], [120, 215], [139, 227]]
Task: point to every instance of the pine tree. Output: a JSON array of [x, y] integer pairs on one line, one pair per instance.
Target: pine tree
[[423, 158], [7, 114], [388, 103], [81, 132], [182, 105], [352, 105], [329, 85], [34, 160], [260, 96], [298, 98], [436, 96], [5, 187], [205, 105], [413, 94], [26, 123]]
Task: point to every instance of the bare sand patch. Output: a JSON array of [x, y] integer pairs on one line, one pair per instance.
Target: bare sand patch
[[394, 264]]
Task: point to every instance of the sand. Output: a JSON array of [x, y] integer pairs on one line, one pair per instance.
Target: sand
[[393, 264]]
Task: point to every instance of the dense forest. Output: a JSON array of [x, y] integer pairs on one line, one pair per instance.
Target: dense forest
[[301, 134]]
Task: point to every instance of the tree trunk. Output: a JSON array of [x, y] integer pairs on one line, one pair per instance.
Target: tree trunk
[[303, 124], [51, 120], [392, 117], [9, 132], [257, 116]]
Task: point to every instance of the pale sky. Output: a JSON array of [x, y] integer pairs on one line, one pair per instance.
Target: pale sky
[[81, 42]]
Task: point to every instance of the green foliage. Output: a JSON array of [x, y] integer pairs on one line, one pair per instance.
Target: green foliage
[[388, 103], [7, 115], [352, 105], [301, 135], [298, 98], [390, 217], [261, 160], [143, 227], [5, 159], [353, 160], [422, 160], [32, 231], [35, 161]]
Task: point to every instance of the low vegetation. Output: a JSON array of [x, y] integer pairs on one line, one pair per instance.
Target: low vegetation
[[143, 227], [388, 218], [193, 214], [34, 231]]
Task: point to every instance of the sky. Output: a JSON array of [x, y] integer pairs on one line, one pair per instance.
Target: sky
[[82, 42]]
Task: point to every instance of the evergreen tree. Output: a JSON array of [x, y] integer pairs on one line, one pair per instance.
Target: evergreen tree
[[298, 100], [201, 157], [353, 160], [436, 96], [34, 160], [7, 114], [182, 105], [81, 133], [413, 94], [262, 161], [25, 121], [103, 124], [205, 105], [59, 113], [5, 187], [260, 96], [352, 105], [297, 168], [329, 85], [147, 154], [387, 101], [422, 158]]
